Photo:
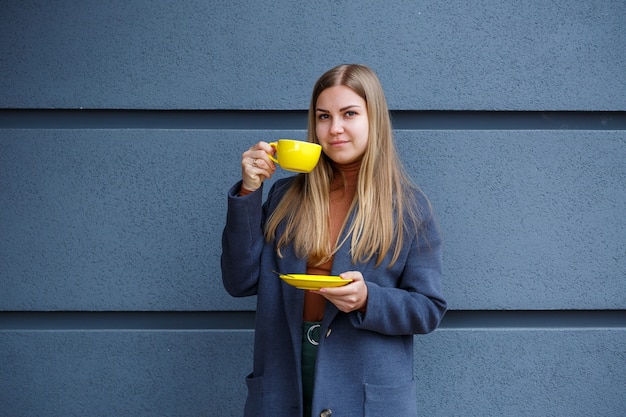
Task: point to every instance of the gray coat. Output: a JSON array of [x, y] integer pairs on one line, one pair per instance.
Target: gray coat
[[365, 361]]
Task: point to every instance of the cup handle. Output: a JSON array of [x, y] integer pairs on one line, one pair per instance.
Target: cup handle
[[275, 146]]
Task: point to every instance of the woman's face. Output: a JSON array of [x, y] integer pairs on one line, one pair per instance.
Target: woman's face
[[342, 125]]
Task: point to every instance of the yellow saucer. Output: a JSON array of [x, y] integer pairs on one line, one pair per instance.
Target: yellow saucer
[[313, 282]]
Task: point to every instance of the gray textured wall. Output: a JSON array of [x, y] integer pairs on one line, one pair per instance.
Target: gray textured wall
[[121, 128]]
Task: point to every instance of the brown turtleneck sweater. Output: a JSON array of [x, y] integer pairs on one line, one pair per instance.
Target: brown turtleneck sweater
[[341, 196]]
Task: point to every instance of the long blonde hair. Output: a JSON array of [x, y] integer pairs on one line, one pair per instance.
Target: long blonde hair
[[384, 200]]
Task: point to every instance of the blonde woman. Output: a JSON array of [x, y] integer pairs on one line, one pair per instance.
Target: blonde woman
[[348, 350]]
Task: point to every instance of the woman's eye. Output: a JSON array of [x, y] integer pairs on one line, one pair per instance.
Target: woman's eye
[[350, 113], [322, 116]]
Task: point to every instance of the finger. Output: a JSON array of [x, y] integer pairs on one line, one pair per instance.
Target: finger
[[337, 292], [261, 161], [355, 275], [261, 150], [251, 176], [258, 158]]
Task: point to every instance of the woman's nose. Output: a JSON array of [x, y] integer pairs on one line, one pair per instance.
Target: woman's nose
[[336, 126]]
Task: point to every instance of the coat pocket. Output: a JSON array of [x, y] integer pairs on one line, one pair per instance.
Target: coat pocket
[[391, 400], [255, 396]]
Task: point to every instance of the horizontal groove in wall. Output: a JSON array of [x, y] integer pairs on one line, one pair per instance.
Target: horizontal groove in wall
[[244, 320], [297, 119], [126, 320]]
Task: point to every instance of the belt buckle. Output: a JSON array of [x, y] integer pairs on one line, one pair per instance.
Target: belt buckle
[[310, 337]]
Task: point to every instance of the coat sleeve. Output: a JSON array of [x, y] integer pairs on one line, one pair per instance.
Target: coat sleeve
[[242, 242], [415, 304]]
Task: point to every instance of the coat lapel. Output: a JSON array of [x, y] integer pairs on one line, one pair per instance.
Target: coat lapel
[[342, 262], [293, 298]]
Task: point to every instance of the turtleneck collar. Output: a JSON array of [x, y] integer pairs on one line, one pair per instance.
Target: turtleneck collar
[[349, 167], [346, 175]]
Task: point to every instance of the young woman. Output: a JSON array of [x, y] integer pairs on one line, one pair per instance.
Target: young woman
[[344, 351]]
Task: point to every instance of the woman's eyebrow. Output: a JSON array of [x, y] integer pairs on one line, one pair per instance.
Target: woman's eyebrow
[[341, 109]]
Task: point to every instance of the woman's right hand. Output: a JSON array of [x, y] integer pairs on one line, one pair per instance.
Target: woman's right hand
[[256, 165]]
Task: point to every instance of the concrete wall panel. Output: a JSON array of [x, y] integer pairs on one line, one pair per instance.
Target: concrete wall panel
[[531, 219], [522, 372], [132, 219], [467, 55], [113, 374], [116, 220], [468, 373]]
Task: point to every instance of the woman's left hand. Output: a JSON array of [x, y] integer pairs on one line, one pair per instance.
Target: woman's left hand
[[350, 297]]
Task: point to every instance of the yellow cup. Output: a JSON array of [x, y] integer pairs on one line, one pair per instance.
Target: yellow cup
[[296, 155]]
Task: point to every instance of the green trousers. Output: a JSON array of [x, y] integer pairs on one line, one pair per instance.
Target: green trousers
[[310, 340]]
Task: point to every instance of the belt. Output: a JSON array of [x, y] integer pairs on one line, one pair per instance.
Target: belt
[[312, 330]]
